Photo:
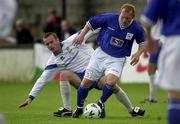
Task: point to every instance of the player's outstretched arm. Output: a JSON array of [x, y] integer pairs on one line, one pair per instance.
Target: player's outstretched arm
[[79, 39], [25, 103]]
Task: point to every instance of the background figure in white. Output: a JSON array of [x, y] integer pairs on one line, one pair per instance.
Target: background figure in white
[[8, 10]]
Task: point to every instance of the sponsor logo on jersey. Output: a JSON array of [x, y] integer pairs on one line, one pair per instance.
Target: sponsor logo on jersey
[[129, 36], [116, 42]]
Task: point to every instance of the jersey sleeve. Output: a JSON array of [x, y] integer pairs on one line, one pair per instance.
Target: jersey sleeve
[[98, 21], [90, 34], [46, 76], [49, 72], [140, 36], [153, 11]]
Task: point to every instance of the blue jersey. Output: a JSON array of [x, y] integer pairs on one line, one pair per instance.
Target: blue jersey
[[168, 11], [113, 39]]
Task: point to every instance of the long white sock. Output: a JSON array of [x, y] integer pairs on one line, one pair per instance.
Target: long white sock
[[152, 88], [123, 98], [65, 91]]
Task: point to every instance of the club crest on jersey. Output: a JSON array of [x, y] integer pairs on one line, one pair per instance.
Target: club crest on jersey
[[129, 36], [116, 42]]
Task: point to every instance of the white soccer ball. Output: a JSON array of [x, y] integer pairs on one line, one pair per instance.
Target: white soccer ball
[[92, 110]]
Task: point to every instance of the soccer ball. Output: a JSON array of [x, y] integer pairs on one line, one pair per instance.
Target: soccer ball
[[92, 110]]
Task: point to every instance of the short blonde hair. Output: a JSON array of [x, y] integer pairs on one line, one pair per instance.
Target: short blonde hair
[[129, 7], [50, 33]]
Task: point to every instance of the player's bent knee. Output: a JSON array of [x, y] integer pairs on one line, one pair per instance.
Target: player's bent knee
[[112, 79], [116, 89], [174, 94], [65, 75], [86, 82]]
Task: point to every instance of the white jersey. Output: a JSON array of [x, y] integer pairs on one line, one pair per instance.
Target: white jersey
[[7, 13], [71, 58]]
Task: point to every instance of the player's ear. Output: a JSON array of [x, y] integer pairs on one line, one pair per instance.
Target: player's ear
[[57, 39]]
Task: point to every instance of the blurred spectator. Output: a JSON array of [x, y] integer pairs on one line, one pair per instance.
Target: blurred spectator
[[23, 34], [52, 24], [67, 29], [37, 19], [8, 10]]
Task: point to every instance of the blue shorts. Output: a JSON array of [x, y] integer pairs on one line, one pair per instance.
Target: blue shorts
[[80, 75], [154, 57], [95, 83]]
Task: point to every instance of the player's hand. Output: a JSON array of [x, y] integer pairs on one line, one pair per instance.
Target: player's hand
[[135, 59], [78, 40], [151, 46], [25, 103]]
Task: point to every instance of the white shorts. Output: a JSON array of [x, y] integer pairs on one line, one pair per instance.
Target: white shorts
[[103, 64], [169, 64]]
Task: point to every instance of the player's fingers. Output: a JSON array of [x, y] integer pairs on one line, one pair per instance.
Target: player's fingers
[[23, 105], [76, 42], [133, 62]]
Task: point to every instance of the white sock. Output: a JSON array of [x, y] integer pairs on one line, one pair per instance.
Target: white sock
[[123, 98], [152, 88], [65, 91]]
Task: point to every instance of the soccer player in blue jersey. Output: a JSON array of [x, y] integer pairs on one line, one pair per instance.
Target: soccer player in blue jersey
[[115, 40], [152, 65], [71, 62], [169, 59]]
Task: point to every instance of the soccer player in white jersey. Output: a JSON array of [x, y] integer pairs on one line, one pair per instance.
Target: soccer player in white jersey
[[71, 62], [169, 59], [7, 13], [115, 40]]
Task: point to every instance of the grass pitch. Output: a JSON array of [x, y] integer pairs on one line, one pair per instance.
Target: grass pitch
[[48, 101]]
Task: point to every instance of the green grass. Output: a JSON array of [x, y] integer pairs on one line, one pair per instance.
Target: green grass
[[48, 101]]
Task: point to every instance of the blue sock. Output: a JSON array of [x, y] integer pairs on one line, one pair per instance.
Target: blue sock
[[174, 112], [81, 96], [106, 93]]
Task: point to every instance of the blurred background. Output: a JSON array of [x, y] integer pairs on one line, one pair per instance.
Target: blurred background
[[22, 55], [39, 16]]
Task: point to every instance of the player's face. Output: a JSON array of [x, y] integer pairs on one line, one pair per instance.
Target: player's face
[[126, 17], [52, 43]]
